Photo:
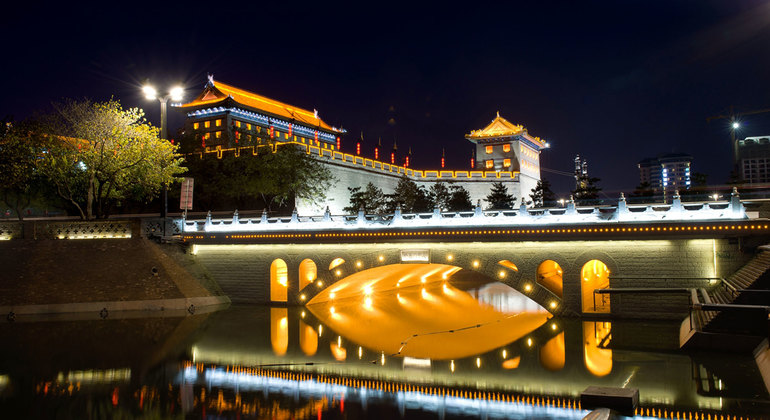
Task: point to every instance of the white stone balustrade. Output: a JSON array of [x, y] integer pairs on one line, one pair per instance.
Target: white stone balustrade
[[523, 216]]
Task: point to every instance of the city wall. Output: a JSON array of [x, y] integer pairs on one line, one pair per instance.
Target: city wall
[[350, 171]]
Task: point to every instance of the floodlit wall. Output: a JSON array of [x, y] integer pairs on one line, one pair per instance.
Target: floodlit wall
[[243, 271]]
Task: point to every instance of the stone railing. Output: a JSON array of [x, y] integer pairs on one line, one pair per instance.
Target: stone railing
[[523, 216]]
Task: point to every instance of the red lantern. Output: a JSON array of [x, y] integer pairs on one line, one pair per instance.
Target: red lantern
[[376, 153], [339, 144], [393, 158], [358, 148], [406, 162], [290, 129]]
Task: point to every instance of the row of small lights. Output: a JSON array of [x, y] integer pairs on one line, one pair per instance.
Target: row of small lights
[[384, 386], [97, 236], [681, 229]]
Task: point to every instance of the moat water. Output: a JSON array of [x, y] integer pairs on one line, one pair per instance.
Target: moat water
[[463, 347]]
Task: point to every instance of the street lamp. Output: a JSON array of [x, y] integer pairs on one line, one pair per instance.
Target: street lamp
[[175, 94]]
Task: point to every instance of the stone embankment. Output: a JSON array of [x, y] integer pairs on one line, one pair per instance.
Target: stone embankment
[[100, 276]]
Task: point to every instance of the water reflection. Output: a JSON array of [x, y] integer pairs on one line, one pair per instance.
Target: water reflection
[[416, 310]]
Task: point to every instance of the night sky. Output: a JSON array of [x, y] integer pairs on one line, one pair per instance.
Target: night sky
[[614, 81]]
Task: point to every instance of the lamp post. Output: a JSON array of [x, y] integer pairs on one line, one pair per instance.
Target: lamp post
[[174, 94]]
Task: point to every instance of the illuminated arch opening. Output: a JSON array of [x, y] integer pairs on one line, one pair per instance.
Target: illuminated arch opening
[[598, 360], [549, 275], [279, 330], [308, 272], [595, 275], [552, 354], [336, 262], [508, 264], [279, 281], [308, 339]]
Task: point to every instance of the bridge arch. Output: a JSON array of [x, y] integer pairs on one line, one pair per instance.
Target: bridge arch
[[279, 281], [596, 276]]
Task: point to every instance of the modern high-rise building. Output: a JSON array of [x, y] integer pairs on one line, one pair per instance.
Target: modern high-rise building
[[754, 159], [666, 173]]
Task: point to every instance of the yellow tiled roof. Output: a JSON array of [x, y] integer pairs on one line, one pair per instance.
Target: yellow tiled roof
[[218, 92], [497, 128]]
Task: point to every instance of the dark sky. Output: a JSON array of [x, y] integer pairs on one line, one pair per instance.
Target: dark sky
[[614, 81]]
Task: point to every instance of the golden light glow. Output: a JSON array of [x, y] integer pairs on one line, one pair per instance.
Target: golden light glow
[[595, 275], [512, 363], [527, 287], [278, 281], [505, 353], [308, 339], [475, 263], [508, 264], [308, 272], [381, 258], [597, 360], [338, 273], [358, 264], [552, 354], [478, 362], [449, 257], [336, 262], [360, 352], [501, 274], [302, 297], [279, 330], [549, 275], [529, 342], [427, 308], [552, 304], [319, 283], [452, 366]]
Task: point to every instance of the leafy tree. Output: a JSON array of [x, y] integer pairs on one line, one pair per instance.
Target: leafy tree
[[370, 199], [273, 178], [644, 192], [413, 199], [587, 191], [20, 182], [499, 199], [439, 196], [100, 153], [460, 199], [542, 194]]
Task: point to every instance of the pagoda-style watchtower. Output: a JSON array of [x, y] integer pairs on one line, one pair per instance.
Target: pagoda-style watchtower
[[503, 146], [226, 116]]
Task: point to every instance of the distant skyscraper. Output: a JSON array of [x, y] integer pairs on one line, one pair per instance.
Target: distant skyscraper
[[754, 159], [581, 172], [666, 172]]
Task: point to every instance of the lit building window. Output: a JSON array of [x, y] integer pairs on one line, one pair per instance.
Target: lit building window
[[489, 150], [506, 163], [218, 123], [207, 124], [248, 137], [196, 125], [248, 126], [218, 134], [506, 148], [490, 164], [237, 124], [206, 136], [237, 135]]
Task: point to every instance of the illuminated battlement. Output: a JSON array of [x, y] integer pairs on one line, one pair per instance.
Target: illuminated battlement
[[360, 162]]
